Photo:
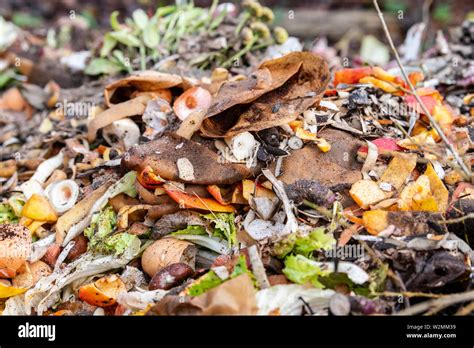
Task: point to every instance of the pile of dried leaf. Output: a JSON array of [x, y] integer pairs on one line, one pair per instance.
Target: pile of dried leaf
[[279, 192]]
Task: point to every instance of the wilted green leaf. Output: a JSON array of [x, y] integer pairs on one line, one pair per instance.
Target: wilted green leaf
[[108, 45], [151, 37], [206, 282], [98, 66], [140, 18], [125, 38], [5, 78], [192, 229], [442, 13], [120, 58], [165, 10], [114, 23], [27, 20]]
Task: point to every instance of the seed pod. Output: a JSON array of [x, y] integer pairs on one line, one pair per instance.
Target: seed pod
[[270, 136], [171, 276], [79, 248]]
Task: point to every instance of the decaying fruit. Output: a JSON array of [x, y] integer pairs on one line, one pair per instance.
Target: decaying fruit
[[366, 193], [103, 292], [38, 208]]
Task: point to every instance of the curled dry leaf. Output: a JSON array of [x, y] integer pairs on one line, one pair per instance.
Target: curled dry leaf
[[273, 96], [337, 170], [143, 81]]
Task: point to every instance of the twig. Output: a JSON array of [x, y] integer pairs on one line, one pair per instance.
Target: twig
[[457, 220], [433, 122], [466, 310], [439, 303], [327, 213], [408, 294]]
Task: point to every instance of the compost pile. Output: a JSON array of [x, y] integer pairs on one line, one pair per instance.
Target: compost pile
[[288, 190]]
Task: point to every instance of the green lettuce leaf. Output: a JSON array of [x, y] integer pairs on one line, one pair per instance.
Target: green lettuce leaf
[[192, 229], [316, 240], [208, 281], [301, 270], [211, 280], [241, 267], [304, 244], [224, 227]]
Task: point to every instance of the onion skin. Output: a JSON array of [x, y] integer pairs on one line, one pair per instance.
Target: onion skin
[[63, 195], [193, 99]]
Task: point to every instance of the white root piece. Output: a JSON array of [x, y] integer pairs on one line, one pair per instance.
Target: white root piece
[[192, 123], [370, 160], [258, 268], [44, 170], [291, 222], [62, 194]]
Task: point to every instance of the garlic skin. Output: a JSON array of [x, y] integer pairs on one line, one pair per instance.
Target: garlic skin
[[123, 132], [242, 145], [62, 194]]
